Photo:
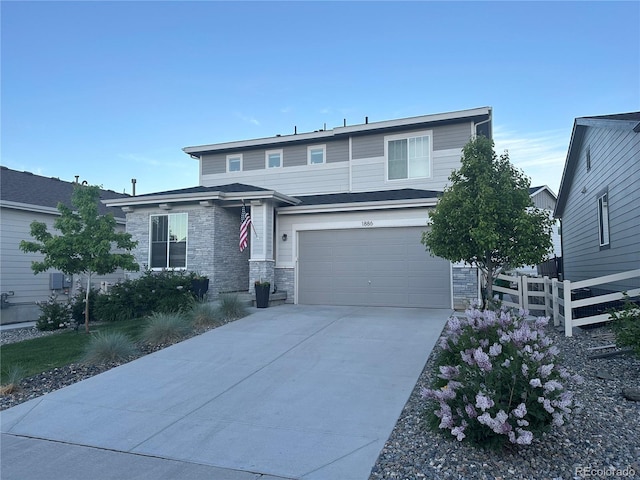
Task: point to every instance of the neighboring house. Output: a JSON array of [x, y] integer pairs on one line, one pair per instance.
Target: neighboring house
[[599, 199], [24, 198], [543, 198], [337, 214]]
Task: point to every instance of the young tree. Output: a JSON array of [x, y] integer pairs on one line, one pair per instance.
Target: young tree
[[486, 217], [85, 243]]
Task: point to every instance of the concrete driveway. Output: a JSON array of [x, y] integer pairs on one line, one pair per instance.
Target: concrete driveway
[[294, 392]]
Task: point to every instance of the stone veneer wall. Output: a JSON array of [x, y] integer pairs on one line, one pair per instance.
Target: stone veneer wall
[[285, 282], [212, 244], [465, 286], [261, 270], [231, 265]]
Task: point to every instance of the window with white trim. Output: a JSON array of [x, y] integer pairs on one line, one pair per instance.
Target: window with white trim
[[168, 241], [234, 163], [273, 158], [603, 219], [316, 154], [408, 156]]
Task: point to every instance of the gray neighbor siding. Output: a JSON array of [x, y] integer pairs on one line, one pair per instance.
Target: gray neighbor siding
[[615, 167]]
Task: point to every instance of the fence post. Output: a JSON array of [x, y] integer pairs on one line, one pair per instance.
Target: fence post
[[568, 311], [556, 304], [547, 309], [524, 284]]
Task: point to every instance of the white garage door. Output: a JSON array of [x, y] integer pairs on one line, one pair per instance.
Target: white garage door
[[376, 266]]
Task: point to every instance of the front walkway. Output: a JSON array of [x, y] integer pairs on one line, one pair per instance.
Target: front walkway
[[288, 392]]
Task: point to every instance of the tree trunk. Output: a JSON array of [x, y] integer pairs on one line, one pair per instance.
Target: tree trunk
[[86, 303], [488, 280]]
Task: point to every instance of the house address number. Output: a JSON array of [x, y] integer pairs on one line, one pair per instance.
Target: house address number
[[367, 223]]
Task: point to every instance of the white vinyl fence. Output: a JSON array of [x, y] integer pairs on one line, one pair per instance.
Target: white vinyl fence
[[544, 296]]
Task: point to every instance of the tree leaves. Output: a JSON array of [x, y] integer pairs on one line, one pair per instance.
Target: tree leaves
[[485, 216]]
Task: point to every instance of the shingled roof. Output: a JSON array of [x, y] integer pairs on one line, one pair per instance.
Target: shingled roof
[[380, 196], [230, 188], [30, 189]]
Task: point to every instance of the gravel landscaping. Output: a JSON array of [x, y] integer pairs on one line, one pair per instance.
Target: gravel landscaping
[[601, 441]]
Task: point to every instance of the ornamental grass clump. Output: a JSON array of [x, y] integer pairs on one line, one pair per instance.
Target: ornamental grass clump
[[498, 380], [165, 328]]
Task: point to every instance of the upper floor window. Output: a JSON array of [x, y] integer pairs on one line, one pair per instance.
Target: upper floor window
[[603, 219], [588, 158], [316, 154], [273, 158], [234, 163], [408, 157], [168, 240]]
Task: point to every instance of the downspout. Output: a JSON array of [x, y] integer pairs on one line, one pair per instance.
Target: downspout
[[475, 125]]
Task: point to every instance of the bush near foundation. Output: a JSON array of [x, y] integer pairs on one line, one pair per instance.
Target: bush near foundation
[[165, 291]]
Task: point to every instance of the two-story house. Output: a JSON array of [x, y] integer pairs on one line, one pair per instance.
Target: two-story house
[[337, 214]]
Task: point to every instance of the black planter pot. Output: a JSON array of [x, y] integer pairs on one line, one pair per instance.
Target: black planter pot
[[262, 295], [200, 287]]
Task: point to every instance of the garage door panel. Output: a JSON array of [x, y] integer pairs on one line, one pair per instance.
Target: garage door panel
[[378, 266]]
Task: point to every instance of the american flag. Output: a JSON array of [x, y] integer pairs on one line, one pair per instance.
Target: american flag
[[244, 228]]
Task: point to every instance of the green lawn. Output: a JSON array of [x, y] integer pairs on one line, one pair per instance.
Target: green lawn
[[41, 354]]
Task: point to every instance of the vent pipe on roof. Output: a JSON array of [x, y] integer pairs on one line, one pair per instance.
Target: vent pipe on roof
[[77, 177], [366, 120], [133, 186], [344, 122], [295, 129]]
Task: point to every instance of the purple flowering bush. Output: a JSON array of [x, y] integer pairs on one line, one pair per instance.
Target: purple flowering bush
[[498, 380]]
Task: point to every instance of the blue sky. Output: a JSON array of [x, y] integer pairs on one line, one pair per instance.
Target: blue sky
[[112, 91]]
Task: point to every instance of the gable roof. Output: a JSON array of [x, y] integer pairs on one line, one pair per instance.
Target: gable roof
[[28, 191], [619, 121]]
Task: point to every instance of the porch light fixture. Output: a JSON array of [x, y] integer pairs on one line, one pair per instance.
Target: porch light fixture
[[284, 237]]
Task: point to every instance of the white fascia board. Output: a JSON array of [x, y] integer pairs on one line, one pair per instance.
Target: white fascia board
[[200, 196], [403, 122], [29, 207], [258, 142], [41, 209], [356, 206], [119, 202]]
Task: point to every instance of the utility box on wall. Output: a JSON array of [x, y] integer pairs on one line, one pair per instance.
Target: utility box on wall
[[59, 281]]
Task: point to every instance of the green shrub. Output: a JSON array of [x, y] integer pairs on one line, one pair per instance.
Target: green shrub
[[626, 325], [203, 314], [498, 380], [163, 328], [152, 292], [231, 307], [107, 347], [53, 314]]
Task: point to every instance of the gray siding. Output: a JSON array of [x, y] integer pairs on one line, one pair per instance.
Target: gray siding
[[253, 160], [338, 151], [615, 164], [295, 155], [15, 267], [367, 146], [212, 164], [446, 137], [544, 200]]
